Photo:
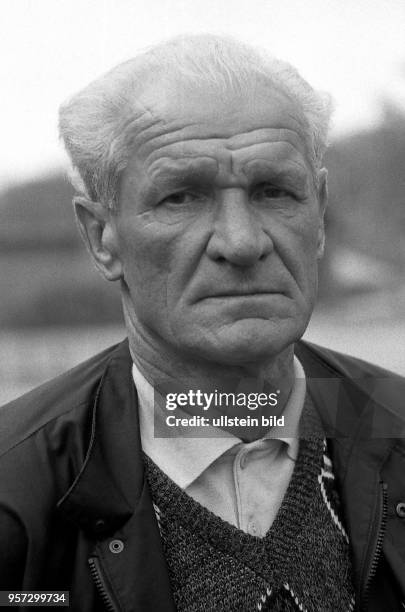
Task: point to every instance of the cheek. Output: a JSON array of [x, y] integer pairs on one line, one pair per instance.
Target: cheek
[[309, 262], [297, 245], [299, 233], [144, 249], [154, 258]]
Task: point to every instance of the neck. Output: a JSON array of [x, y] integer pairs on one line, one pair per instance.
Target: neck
[[168, 371]]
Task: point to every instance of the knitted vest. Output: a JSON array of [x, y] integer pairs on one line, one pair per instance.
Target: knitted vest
[[301, 564]]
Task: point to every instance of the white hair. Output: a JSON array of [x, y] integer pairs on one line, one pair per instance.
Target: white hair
[[97, 124]]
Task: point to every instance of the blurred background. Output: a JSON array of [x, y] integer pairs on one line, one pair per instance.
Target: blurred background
[[54, 308]]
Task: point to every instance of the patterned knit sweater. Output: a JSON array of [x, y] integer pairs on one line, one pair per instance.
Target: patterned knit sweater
[[301, 564]]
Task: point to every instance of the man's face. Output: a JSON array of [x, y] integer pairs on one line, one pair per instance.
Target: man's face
[[219, 224]]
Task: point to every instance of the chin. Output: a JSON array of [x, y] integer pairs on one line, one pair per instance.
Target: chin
[[249, 341]]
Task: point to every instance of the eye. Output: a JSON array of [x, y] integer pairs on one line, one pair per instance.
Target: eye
[[180, 198], [270, 192], [181, 206]]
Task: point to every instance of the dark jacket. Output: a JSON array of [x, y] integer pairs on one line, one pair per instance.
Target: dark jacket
[[76, 513]]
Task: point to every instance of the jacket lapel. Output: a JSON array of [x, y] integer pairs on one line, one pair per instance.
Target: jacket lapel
[[110, 498], [359, 432]]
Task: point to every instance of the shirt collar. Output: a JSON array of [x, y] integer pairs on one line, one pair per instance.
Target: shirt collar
[[184, 459]]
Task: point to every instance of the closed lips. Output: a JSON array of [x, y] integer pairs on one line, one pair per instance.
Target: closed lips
[[239, 293]]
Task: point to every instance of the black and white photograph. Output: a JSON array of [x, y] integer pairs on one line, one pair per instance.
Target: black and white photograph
[[202, 314]]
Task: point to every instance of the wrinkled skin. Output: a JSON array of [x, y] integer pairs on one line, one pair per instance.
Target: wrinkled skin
[[218, 230]]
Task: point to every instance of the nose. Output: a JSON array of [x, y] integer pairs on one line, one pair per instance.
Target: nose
[[238, 235]]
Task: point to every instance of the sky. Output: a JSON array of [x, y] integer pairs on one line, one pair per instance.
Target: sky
[[355, 49]]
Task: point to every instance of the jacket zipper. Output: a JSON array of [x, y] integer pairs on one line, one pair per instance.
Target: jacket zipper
[[99, 581], [382, 522]]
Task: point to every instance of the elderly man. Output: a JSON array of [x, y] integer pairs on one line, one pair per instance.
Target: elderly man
[[199, 167]]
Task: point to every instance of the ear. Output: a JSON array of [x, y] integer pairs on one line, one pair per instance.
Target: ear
[[97, 228], [323, 202]]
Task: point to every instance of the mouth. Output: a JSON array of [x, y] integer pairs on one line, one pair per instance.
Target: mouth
[[242, 294]]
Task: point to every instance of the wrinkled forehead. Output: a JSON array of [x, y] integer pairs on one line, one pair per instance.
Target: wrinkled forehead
[[181, 110]]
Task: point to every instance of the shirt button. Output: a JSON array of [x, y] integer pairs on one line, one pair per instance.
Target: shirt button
[[116, 546], [400, 509]]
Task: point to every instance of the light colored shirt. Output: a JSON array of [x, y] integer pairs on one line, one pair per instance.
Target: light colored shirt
[[243, 483]]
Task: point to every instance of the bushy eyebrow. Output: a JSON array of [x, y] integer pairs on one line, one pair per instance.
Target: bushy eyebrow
[[170, 173], [170, 170], [286, 171]]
